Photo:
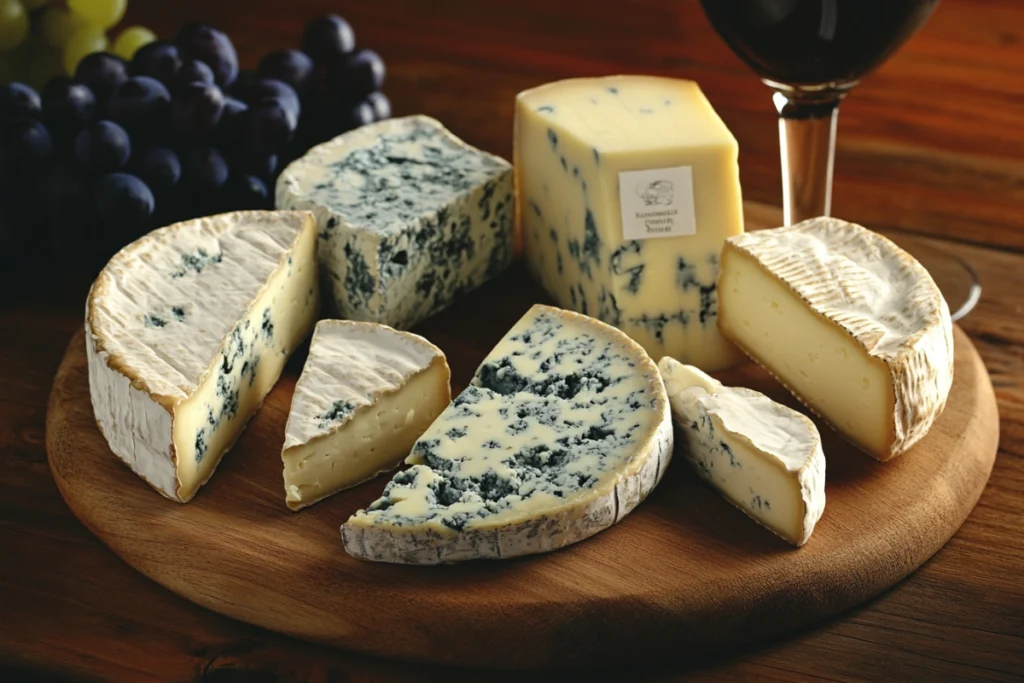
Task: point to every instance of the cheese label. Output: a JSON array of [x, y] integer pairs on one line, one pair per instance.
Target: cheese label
[[657, 202]]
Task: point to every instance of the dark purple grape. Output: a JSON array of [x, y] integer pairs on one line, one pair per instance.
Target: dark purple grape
[[196, 110], [328, 38], [227, 131], [246, 192], [204, 167], [125, 204], [19, 101], [289, 66], [159, 60], [261, 166], [267, 128], [270, 89], [102, 72], [67, 107], [193, 71], [207, 44], [140, 104], [103, 147], [160, 168], [357, 75], [358, 115], [381, 105], [246, 79], [26, 145], [67, 201]]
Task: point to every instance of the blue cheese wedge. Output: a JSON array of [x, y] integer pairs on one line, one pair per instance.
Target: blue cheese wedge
[[366, 393], [764, 457], [187, 329], [564, 430], [410, 217]]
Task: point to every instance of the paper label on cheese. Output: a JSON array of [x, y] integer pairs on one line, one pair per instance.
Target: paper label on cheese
[[657, 202]]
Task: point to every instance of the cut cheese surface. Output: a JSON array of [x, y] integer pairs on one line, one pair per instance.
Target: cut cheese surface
[[410, 217], [764, 457], [847, 321], [564, 429], [187, 330], [366, 393], [627, 187]]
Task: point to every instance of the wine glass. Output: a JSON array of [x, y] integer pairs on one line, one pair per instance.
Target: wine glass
[[811, 53]]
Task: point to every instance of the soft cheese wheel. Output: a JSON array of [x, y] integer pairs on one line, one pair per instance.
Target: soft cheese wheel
[[627, 187], [850, 323], [763, 457], [366, 393], [187, 329]]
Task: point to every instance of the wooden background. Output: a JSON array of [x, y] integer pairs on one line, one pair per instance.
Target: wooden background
[[932, 143]]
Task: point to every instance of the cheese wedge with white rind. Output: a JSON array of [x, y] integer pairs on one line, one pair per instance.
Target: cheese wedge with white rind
[[847, 321], [763, 457], [366, 393]]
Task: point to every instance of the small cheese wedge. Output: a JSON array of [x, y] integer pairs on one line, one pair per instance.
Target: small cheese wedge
[[365, 395], [764, 457], [850, 323]]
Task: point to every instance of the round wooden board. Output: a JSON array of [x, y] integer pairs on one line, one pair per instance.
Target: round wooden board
[[684, 573]]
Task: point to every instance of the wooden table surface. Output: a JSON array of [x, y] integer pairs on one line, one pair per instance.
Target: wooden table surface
[[933, 143]]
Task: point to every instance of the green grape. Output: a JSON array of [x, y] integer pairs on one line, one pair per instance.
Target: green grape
[[57, 25], [101, 13], [85, 41], [13, 24], [131, 39]]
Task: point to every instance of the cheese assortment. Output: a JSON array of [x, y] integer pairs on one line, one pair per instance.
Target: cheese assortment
[[564, 429], [187, 329], [848, 322], [764, 457], [366, 393], [410, 218], [627, 187]]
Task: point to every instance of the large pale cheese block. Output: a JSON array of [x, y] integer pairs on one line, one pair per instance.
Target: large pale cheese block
[[564, 429], [763, 457], [366, 393], [850, 323], [187, 329], [627, 187], [411, 218]]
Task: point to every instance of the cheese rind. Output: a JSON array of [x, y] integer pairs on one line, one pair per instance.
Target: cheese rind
[[366, 393], [410, 217], [564, 429], [187, 329], [763, 457], [850, 323], [574, 141]]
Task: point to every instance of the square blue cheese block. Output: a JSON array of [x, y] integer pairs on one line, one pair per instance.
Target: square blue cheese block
[[410, 218]]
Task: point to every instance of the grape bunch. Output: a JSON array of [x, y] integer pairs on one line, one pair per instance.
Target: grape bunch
[[96, 159], [40, 39]]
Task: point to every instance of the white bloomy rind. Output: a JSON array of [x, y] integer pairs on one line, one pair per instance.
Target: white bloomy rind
[[481, 434], [763, 457], [850, 323], [365, 395], [187, 329]]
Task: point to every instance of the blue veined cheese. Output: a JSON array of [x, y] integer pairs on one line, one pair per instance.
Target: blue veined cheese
[[187, 329], [366, 393], [847, 321], [763, 457], [564, 430], [411, 218], [627, 187]]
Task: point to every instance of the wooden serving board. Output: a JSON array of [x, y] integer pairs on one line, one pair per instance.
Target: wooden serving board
[[686, 572]]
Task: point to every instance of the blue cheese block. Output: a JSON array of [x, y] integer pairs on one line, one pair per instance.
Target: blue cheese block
[[564, 430], [187, 329], [410, 218]]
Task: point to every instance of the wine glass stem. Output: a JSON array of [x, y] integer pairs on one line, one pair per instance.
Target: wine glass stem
[[807, 140]]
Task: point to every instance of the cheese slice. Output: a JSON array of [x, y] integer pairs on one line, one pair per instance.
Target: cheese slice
[[764, 457], [564, 429], [627, 187], [366, 393], [187, 329], [848, 322], [411, 218]]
